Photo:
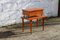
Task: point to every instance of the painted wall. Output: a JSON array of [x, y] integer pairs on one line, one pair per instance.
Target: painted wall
[[11, 11]]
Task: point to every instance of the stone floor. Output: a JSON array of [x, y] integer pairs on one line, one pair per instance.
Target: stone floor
[[51, 32]]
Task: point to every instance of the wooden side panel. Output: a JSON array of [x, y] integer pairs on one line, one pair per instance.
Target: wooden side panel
[[33, 13]]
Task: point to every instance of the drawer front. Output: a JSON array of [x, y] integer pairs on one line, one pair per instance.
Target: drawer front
[[33, 13], [36, 13]]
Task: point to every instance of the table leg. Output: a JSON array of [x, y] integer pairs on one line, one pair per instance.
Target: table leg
[[31, 26], [43, 24], [37, 23], [22, 24]]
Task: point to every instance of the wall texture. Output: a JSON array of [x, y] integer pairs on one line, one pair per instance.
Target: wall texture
[[11, 10]]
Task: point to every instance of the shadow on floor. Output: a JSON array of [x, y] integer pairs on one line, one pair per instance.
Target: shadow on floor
[[6, 34], [10, 34]]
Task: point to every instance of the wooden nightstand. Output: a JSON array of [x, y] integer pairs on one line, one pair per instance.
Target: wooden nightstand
[[33, 14]]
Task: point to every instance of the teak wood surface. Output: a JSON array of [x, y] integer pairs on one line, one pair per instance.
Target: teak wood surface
[[33, 14]]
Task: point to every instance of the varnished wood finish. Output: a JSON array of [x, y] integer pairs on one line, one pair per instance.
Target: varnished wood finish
[[43, 24], [22, 24], [31, 26], [33, 14], [37, 23]]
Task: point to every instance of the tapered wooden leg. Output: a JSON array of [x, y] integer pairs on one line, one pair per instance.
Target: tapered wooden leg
[[31, 26], [37, 23], [43, 24], [22, 24]]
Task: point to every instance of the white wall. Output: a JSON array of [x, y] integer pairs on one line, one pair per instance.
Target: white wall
[[11, 10]]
